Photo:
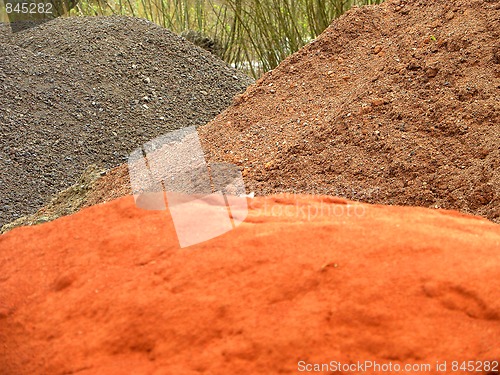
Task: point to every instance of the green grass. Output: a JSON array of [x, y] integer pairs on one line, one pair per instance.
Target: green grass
[[253, 35]]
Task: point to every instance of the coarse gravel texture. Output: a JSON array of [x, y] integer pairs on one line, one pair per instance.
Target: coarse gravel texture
[[89, 90]]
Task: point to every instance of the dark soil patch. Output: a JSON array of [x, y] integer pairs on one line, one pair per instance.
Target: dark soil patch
[[83, 91]]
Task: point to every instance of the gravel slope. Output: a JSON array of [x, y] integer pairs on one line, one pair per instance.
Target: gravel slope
[[82, 91]]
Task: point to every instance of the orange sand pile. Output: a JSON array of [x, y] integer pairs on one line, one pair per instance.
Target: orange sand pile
[[108, 291]]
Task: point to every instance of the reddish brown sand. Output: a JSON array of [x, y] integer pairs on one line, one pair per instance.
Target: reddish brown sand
[[393, 104], [107, 291]]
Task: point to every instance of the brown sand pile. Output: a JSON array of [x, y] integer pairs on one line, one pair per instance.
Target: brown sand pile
[[82, 91], [394, 104], [107, 291]]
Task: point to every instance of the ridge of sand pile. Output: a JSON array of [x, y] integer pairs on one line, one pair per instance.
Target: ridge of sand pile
[[393, 104], [84, 90], [107, 290]]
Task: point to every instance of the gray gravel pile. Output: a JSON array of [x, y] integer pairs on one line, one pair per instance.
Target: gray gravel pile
[[82, 91], [4, 30]]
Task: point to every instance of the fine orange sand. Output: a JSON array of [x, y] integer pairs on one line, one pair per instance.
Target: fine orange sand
[[303, 280]]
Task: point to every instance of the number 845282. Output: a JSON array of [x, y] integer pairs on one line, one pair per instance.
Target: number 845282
[[29, 8]]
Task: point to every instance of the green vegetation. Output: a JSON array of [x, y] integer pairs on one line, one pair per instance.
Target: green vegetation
[[252, 35]]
